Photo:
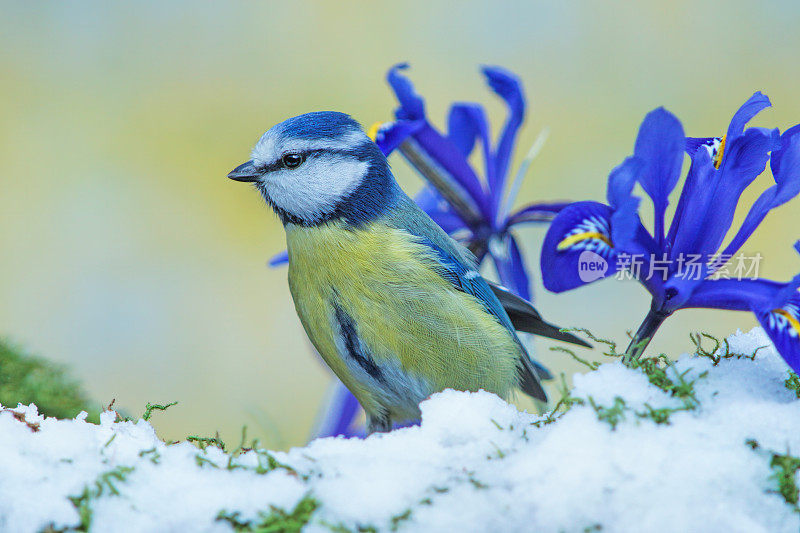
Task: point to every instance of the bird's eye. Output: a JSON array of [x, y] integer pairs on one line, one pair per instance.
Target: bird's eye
[[293, 160]]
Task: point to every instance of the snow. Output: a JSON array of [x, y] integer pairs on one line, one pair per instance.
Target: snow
[[475, 464]]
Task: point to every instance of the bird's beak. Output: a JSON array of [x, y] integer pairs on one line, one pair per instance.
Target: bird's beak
[[245, 172]]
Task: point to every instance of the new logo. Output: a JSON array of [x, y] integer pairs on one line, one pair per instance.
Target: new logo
[[591, 266]]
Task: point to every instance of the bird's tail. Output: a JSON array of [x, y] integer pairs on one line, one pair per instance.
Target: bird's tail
[[525, 317]]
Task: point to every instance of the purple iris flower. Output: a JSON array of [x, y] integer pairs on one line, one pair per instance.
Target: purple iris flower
[[682, 267], [339, 413], [476, 211]]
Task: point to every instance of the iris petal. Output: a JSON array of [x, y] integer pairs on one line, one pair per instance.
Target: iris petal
[[693, 143], [783, 327], [786, 171], [536, 213], [279, 259], [391, 135], [745, 158], [430, 201], [692, 205], [627, 231], [779, 153], [466, 123], [511, 268], [412, 106], [712, 194], [445, 167], [508, 86], [708, 200], [734, 294], [787, 293], [581, 229], [338, 414], [437, 158], [622, 179], [631, 238], [660, 145], [753, 106], [776, 305]]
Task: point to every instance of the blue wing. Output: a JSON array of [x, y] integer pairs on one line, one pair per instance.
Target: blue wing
[[517, 313], [467, 279]]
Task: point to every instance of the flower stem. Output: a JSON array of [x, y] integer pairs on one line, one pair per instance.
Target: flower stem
[[644, 334]]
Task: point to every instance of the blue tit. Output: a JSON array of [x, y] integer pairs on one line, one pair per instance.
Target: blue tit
[[394, 306]]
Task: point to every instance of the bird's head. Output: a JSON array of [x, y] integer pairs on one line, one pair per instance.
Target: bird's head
[[317, 167]]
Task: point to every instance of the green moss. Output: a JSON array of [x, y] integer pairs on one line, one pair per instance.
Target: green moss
[[659, 416], [499, 453], [151, 454], [784, 473], [611, 346], [341, 528], [234, 520], [398, 519], [27, 379], [478, 484], [721, 349], [784, 470], [661, 372], [277, 520], [336, 528], [793, 383], [591, 365], [564, 404], [202, 461], [266, 460], [612, 415], [105, 484], [267, 463], [150, 407], [205, 442]]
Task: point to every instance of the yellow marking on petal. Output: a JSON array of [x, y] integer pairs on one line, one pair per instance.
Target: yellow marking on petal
[[789, 317], [578, 237], [720, 151], [372, 132]]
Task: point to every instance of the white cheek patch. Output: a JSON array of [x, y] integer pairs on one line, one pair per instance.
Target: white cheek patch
[[313, 190]]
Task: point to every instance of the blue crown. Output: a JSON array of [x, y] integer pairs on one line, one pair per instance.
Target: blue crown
[[319, 125]]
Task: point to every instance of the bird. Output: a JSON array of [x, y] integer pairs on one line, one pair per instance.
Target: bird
[[395, 306]]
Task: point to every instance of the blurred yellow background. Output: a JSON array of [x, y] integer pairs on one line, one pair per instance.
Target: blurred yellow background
[[128, 255]]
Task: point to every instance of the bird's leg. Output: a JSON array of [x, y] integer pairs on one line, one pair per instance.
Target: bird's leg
[[378, 423]]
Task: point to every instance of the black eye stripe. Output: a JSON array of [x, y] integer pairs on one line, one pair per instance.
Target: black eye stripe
[[305, 154], [270, 167]]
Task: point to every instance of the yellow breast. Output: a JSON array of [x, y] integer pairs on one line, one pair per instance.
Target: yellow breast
[[412, 321]]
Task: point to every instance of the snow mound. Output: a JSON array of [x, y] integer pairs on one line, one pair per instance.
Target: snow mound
[[703, 445]]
